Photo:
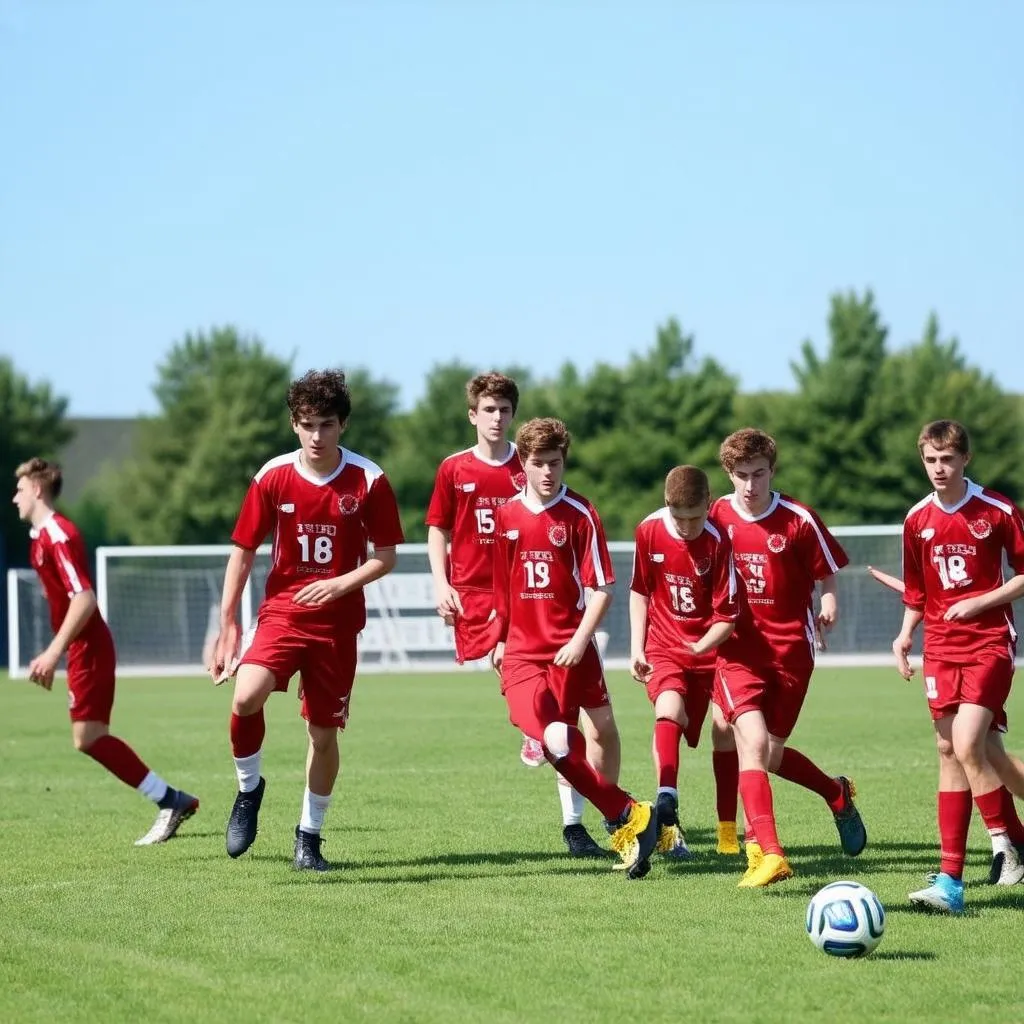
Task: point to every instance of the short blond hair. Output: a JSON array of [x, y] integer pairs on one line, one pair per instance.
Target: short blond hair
[[47, 474]]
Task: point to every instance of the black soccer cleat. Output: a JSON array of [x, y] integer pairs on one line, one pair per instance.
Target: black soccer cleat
[[581, 843], [671, 838], [853, 836], [244, 821], [307, 851]]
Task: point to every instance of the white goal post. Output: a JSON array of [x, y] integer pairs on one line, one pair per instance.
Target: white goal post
[[162, 605]]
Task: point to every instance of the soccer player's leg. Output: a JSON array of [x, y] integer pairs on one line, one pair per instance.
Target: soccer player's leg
[[837, 791], [945, 890], [726, 766], [742, 694], [985, 687], [1008, 765], [91, 684]]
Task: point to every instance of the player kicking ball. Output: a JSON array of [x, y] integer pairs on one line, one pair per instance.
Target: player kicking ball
[[58, 556], [324, 505], [954, 543], [550, 547], [674, 601], [469, 487]]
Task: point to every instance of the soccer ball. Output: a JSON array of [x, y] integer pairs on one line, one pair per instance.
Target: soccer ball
[[845, 919]]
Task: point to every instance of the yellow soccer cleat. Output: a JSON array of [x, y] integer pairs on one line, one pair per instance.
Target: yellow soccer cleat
[[754, 858], [635, 839], [773, 868], [728, 843]]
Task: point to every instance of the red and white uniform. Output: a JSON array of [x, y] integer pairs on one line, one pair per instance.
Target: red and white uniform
[[58, 556], [951, 553], [468, 491], [689, 585], [781, 555], [322, 528], [545, 558]]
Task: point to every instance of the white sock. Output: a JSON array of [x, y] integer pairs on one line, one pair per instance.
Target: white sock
[[669, 789], [314, 807], [571, 801], [153, 787], [248, 771]]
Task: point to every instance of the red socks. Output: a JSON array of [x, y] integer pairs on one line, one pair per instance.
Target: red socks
[[119, 759], [667, 735], [247, 732], [796, 767], [1000, 816], [726, 765], [611, 801], [759, 811], [954, 821]]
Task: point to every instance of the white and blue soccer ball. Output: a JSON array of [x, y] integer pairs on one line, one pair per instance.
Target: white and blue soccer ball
[[845, 919]]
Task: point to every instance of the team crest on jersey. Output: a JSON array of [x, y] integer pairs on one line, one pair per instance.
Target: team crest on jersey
[[558, 534], [927, 533], [703, 566], [776, 543], [519, 480], [347, 504], [980, 528]]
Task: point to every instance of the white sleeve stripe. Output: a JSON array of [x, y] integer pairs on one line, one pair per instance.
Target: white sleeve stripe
[[595, 551], [989, 500], [808, 518], [76, 583]]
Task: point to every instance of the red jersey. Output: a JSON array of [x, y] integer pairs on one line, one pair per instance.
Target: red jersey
[[956, 551], [545, 557], [57, 553], [468, 490], [781, 554], [690, 585], [322, 528]]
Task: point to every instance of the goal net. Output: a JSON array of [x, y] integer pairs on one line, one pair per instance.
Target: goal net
[[162, 604]]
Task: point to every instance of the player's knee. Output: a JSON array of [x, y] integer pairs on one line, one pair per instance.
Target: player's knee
[[322, 740], [556, 739]]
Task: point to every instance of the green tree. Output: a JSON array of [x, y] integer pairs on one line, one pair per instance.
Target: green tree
[[31, 423]]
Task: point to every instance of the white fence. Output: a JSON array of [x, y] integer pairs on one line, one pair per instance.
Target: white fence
[[162, 602]]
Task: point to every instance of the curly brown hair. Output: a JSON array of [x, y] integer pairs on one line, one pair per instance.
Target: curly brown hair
[[746, 445], [687, 487], [542, 435], [47, 474], [320, 393], [945, 435], [492, 385]]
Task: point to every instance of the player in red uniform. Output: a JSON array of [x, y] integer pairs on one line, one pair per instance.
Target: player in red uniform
[[782, 550], [58, 556], [550, 548], [674, 598], [469, 488], [954, 542], [325, 506]]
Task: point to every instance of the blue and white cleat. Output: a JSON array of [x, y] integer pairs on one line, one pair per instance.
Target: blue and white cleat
[[945, 894]]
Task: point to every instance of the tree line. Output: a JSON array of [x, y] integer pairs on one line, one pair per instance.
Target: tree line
[[846, 431]]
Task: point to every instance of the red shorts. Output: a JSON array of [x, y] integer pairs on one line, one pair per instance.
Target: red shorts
[[694, 685], [476, 630], [985, 682], [326, 667], [91, 668], [777, 693], [539, 693]]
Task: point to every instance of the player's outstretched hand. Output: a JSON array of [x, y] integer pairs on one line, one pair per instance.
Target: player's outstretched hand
[[449, 605], [319, 592], [225, 654], [571, 654], [640, 668], [886, 580], [41, 669], [901, 648]]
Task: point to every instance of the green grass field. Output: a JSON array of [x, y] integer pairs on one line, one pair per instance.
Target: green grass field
[[453, 900]]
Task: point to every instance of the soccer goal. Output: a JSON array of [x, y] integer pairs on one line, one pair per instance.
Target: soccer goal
[[162, 604]]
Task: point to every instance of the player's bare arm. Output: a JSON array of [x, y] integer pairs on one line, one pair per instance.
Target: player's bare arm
[[448, 602], [498, 656], [321, 592], [639, 667], [970, 607], [828, 613], [225, 651], [717, 634], [901, 646], [42, 667], [892, 582], [597, 607]]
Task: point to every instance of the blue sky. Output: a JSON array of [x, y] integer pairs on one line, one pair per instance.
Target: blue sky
[[396, 183]]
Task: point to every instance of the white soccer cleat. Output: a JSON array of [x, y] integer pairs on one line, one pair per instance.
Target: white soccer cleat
[[1007, 862], [169, 820]]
